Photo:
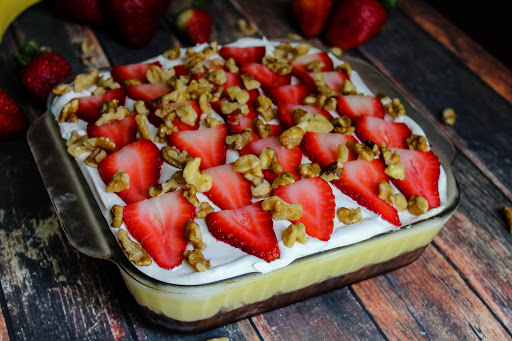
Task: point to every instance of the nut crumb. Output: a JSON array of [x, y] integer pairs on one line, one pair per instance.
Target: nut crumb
[[196, 260], [417, 142], [117, 214], [193, 235], [336, 51], [68, 113], [507, 212], [269, 160], [175, 157], [417, 205], [395, 108], [281, 210], [263, 190], [250, 166], [135, 252], [119, 182], [449, 116], [94, 159], [333, 171], [295, 233], [169, 186], [204, 209], [283, 179], [247, 28], [202, 181], [309, 170], [239, 141], [349, 216]]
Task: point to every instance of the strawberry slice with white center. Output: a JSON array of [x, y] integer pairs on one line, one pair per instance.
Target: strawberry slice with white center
[[422, 171], [354, 106], [208, 144], [248, 228], [148, 92], [141, 160], [318, 207], [333, 79], [230, 189], [158, 224], [265, 76], [157, 121], [360, 181], [285, 113], [300, 62], [243, 55], [292, 94], [289, 158], [89, 106], [120, 73], [322, 148], [378, 130], [121, 132]]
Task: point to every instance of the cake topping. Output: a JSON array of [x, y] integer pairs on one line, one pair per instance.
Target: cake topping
[[448, 116], [280, 209], [349, 216], [283, 179], [417, 205], [94, 159], [309, 170], [295, 233], [135, 253], [117, 216], [202, 181], [68, 113]]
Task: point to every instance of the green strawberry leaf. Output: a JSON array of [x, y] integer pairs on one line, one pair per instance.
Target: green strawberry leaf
[[389, 4]]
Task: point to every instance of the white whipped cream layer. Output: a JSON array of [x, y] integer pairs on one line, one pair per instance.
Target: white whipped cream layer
[[226, 261]]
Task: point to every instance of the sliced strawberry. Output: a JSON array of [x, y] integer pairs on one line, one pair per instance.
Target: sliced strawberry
[[121, 132], [378, 130], [237, 123], [360, 181], [230, 189], [208, 144], [158, 224], [354, 106], [180, 70], [243, 55], [317, 200], [232, 79], [141, 160], [157, 121], [289, 158], [288, 94], [120, 73], [333, 79], [300, 62], [285, 113], [265, 76], [322, 148], [148, 92], [422, 171], [248, 228], [89, 106]]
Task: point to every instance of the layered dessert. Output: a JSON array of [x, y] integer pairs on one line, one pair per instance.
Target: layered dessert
[[210, 163]]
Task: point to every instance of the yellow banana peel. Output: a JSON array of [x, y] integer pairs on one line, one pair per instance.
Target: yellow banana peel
[[9, 10]]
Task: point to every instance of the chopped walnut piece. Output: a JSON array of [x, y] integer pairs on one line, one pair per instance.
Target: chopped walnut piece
[[193, 235], [204, 104], [68, 113], [239, 141], [102, 142], [187, 114], [261, 129], [345, 67], [292, 137], [349, 216], [320, 124], [390, 158], [178, 177], [142, 127], [322, 86], [76, 145], [61, 89], [400, 202], [135, 253], [343, 125], [277, 65], [217, 77], [283, 179], [189, 193], [362, 150], [335, 50], [395, 171], [395, 108], [330, 104], [293, 36], [300, 115], [295, 232], [140, 108], [119, 182], [373, 147], [109, 106], [204, 209], [94, 159], [333, 171], [107, 83], [270, 161], [315, 66], [211, 121], [249, 82], [247, 28], [196, 260], [417, 142], [417, 205], [110, 114], [173, 53], [264, 107], [231, 65], [85, 81], [348, 88], [250, 166], [387, 193], [263, 190], [237, 94], [229, 108], [448, 116], [117, 216], [302, 48], [309, 170], [280, 209], [507, 213], [169, 186], [342, 153], [202, 181], [175, 157], [132, 81]]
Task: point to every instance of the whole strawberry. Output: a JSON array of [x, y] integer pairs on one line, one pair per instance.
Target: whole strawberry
[[85, 11], [42, 70], [12, 118], [311, 15], [354, 22], [194, 23]]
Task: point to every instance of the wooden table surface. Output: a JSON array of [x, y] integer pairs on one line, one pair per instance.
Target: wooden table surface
[[460, 288]]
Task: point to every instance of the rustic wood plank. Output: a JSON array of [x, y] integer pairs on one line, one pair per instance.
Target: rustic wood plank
[[485, 65]]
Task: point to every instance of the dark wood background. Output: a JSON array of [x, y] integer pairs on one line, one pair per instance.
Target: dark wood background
[[460, 289]]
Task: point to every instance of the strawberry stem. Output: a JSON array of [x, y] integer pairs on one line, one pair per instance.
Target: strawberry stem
[[29, 51], [389, 4]]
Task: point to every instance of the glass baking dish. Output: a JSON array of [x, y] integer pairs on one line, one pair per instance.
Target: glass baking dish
[[195, 308]]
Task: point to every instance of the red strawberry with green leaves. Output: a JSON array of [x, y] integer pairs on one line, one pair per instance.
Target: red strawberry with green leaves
[[141, 160], [311, 15], [333, 79], [322, 148], [208, 144], [247, 228], [354, 22], [243, 55], [230, 189], [360, 181], [194, 23], [89, 106], [121, 73], [265, 76], [12, 118], [157, 121], [354, 106], [289, 158], [378, 130], [422, 171], [158, 224], [42, 70], [318, 207], [300, 62], [288, 94], [121, 132], [285, 113], [148, 92]]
